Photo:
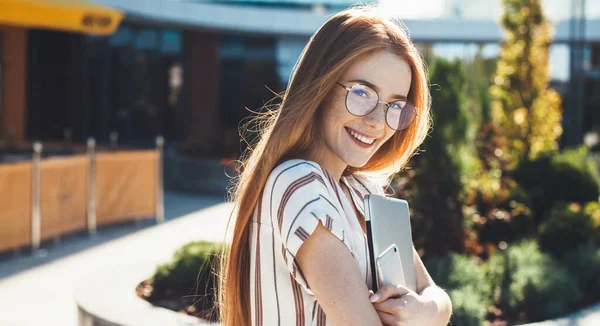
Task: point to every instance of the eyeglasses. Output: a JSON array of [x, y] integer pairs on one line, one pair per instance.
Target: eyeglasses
[[362, 100]]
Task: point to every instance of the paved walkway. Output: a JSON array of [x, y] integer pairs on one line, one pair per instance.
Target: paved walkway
[[585, 317], [38, 289]]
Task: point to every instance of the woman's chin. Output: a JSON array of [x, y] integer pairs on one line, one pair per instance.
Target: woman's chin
[[357, 162]]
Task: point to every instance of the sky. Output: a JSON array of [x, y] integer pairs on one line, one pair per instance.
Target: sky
[[411, 9], [482, 9]]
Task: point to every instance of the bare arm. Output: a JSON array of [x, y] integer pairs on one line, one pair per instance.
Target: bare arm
[[332, 275], [423, 278], [427, 288]]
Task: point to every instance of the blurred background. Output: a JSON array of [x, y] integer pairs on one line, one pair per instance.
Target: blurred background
[[119, 135]]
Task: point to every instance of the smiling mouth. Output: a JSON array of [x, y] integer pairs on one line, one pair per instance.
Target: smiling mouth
[[360, 139]]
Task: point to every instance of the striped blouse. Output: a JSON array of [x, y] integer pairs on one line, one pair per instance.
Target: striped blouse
[[297, 196]]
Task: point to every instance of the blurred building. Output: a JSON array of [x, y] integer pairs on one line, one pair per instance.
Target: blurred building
[[21, 24], [191, 69], [183, 69]]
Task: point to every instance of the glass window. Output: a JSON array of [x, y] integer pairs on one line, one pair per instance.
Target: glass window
[[147, 39], [559, 62], [136, 90], [171, 42], [121, 37], [595, 54], [248, 71]]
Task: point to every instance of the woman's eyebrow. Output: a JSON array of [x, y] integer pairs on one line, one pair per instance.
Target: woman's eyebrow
[[373, 86]]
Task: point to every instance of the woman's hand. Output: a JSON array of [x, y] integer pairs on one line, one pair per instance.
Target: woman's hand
[[400, 306]]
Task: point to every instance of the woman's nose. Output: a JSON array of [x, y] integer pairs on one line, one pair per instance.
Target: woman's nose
[[377, 117]]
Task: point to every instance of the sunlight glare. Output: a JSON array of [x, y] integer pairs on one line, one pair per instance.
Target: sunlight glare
[[414, 9]]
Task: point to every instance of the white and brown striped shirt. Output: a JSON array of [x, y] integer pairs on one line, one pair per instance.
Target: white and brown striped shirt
[[297, 196]]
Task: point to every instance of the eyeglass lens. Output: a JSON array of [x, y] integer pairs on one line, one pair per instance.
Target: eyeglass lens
[[361, 100]]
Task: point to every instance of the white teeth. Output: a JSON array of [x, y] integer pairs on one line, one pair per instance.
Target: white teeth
[[362, 138]]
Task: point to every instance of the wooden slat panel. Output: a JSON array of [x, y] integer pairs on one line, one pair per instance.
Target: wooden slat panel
[[15, 205], [63, 195], [125, 185]]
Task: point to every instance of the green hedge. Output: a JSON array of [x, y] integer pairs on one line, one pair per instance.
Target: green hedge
[[190, 277], [522, 282], [570, 176], [584, 264], [530, 283], [566, 227], [465, 281]]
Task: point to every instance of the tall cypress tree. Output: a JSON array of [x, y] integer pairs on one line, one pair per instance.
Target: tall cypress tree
[[523, 105], [436, 186]]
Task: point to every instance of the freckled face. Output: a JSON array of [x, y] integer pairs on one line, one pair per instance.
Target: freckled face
[[354, 139]]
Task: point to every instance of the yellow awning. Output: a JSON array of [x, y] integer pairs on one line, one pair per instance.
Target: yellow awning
[[69, 15]]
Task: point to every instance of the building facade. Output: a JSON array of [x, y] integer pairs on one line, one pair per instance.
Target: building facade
[[192, 70]]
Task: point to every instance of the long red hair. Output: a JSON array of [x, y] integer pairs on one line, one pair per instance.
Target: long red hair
[[292, 129]]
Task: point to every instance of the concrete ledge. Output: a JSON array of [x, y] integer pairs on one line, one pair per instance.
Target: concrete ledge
[[588, 316], [107, 298]]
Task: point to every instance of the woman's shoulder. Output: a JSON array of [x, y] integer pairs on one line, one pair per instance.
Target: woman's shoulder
[[291, 170]]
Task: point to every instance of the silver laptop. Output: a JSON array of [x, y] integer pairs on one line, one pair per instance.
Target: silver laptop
[[388, 222]]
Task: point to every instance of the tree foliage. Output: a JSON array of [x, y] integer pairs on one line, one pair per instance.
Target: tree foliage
[[435, 187], [523, 105]]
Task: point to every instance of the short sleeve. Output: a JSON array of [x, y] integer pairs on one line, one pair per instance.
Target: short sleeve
[[303, 197]]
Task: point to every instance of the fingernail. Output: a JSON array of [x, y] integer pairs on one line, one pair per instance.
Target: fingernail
[[374, 297]]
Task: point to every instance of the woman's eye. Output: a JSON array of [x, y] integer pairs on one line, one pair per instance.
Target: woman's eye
[[361, 93], [396, 106]]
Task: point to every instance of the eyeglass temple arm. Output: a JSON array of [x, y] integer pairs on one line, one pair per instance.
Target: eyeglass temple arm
[[344, 86]]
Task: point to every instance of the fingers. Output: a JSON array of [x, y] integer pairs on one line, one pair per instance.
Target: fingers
[[396, 307], [389, 291], [389, 319]]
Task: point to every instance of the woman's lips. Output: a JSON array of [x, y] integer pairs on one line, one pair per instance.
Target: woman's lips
[[356, 141]]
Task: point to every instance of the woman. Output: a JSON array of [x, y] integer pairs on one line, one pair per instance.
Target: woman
[[357, 107]]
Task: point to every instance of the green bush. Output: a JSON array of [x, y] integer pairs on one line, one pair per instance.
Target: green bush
[[467, 307], [569, 177], [580, 159], [520, 204], [464, 279], [593, 210], [511, 221], [551, 296], [525, 283], [190, 276], [566, 227], [530, 283], [584, 264]]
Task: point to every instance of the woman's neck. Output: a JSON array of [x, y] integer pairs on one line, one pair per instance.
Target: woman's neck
[[330, 162]]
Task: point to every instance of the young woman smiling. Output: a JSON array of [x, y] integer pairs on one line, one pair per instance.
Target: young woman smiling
[[356, 109]]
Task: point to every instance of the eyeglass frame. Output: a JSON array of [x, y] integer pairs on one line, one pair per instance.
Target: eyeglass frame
[[387, 104]]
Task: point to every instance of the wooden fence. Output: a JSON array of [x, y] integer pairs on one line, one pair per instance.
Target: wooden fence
[[63, 195], [46, 198], [15, 205], [125, 186]]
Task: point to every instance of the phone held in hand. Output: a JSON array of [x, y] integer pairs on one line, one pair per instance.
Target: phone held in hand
[[389, 267]]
